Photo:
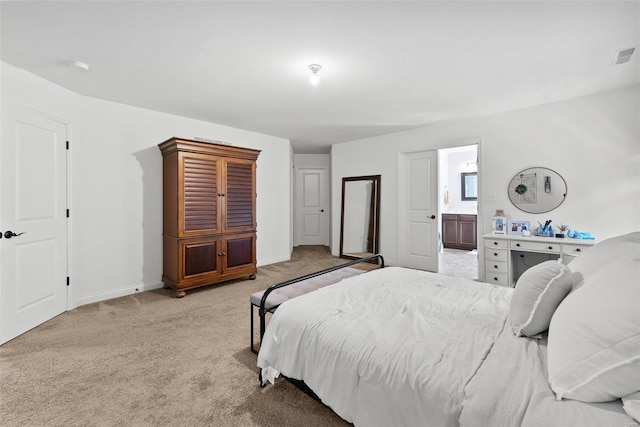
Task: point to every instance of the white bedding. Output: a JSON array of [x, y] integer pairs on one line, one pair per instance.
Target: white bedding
[[390, 347], [511, 389]]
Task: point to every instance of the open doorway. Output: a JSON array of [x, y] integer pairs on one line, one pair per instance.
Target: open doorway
[[458, 207]]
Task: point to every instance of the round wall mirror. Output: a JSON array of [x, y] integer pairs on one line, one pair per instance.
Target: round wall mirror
[[537, 190]]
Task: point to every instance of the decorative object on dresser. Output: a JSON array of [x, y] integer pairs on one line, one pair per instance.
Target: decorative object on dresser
[[507, 256], [209, 213], [562, 230], [499, 224], [459, 231], [517, 227]]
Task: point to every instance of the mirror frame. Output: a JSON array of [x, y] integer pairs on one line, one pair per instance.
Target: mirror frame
[[528, 207], [374, 214], [463, 186]]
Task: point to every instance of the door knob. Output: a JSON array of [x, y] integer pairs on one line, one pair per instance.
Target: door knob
[[432, 217], [321, 210], [10, 234]]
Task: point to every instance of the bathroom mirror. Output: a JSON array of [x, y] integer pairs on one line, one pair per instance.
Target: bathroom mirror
[[537, 190], [469, 186], [360, 216]]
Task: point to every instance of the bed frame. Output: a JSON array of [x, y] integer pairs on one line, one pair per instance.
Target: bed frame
[[263, 308]]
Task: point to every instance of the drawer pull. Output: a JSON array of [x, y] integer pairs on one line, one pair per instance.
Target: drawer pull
[[518, 244], [495, 254], [578, 249], [495, 266], [550, 247], [495, 278], [495, 243]]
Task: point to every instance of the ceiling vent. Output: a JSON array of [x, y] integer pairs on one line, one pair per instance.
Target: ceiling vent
[[623, 56]]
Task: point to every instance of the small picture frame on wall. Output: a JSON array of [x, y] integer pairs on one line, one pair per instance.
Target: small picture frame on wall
[[500, 224], [517, 227]]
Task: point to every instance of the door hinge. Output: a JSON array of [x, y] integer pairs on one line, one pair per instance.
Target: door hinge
[[67, 213], [67, 145], [67, 280]]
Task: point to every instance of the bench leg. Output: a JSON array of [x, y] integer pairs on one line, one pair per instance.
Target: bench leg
[[253, 349], [263, 325]]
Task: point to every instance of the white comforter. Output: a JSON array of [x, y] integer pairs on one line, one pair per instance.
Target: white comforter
[[511, 389], [390, 347]]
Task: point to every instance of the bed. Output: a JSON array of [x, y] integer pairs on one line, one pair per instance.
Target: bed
[[270, 299], [404, 347]]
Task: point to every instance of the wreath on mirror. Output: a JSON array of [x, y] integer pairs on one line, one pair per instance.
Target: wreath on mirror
[[521, 189]]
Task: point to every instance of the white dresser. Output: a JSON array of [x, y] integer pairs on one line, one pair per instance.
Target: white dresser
[[502, 251]]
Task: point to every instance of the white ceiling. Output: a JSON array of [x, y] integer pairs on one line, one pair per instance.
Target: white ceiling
[[387, 66]]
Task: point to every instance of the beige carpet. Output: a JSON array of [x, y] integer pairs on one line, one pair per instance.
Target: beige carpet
[[152, 360], [459, 263]]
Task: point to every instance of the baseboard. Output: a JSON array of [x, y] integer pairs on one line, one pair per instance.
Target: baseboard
[[264, 262], [117, 293]]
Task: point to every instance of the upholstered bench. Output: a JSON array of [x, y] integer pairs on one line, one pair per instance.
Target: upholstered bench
[[269, 300]]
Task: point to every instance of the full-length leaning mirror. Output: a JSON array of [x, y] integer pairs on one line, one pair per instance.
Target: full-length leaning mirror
[[537, 190], [360, 216]]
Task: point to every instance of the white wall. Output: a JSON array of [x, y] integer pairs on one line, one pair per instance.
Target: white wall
[[593, 142], [116, 185]]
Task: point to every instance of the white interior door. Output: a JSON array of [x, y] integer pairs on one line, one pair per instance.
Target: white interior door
[[312, 215], [33, 264], [418, 204]]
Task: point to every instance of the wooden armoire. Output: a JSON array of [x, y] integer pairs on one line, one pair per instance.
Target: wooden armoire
[[209, 213]]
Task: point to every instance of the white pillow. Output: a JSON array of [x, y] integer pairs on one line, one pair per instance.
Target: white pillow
[[631, 405], [594, 336], [601, 254], [538, 293]]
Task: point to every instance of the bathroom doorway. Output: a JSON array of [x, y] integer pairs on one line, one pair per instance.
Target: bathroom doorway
[[458, 207]]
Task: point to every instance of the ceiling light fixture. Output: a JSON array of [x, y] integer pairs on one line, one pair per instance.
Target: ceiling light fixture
[[314, 79], [78, 65]]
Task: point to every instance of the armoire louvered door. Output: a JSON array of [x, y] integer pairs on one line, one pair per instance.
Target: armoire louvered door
[[200, 194], [209, 208], [238, 214]]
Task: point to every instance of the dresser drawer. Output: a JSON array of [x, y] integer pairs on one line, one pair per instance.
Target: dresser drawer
[[574, 249], [496, 244], [491, 255], [496, 267], [497, 278], [520, 245]]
